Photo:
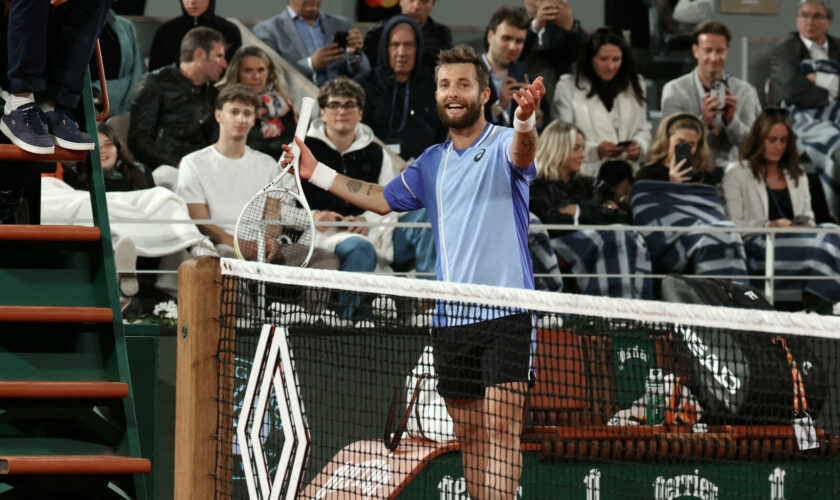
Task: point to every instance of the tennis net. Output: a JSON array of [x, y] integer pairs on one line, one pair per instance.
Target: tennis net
[[588, 397]]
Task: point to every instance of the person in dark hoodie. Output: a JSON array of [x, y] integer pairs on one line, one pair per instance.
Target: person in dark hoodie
[[436, 36], [167, 40], [404, 114]]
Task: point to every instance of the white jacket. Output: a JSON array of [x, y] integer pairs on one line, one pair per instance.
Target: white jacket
[[746, 200], [628, 122], [380, 237]]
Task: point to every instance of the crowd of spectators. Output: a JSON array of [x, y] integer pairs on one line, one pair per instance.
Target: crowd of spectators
[[213, 115]]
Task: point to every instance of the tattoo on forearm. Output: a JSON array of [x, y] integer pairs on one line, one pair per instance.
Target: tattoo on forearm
[[354, 186], [370, 188]]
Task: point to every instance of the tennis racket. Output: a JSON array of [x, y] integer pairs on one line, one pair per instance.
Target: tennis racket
[[276, 225]]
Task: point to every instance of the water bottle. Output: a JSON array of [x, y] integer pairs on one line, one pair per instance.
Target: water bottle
[[655, 398]]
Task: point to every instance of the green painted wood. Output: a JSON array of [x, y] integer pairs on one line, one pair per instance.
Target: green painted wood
[[143, 359], [106, 280]]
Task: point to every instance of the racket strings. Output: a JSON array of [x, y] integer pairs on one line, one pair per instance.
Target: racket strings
[[278, 219]]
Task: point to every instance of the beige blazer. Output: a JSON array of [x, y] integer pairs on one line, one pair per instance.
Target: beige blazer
[[746, 201]]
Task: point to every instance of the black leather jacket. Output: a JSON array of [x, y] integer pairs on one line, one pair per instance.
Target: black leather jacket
[[170, 118]]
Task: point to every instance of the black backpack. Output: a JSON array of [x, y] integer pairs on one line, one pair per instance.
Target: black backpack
[[743, 378]]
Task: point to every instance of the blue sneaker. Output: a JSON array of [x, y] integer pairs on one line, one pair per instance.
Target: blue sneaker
[[66, 131], [25, 127]]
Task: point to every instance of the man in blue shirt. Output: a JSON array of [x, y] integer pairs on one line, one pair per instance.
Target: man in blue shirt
[[475, 189]]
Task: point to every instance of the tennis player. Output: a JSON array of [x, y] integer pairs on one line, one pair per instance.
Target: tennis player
[[475, 189]]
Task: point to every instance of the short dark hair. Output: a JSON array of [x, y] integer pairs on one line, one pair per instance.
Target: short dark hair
[[237, 93], [200, 37], [513, 16], [711, 28], [341, 87], [465, 54]]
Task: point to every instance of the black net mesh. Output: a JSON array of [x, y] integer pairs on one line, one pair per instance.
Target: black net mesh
[[597, 406]]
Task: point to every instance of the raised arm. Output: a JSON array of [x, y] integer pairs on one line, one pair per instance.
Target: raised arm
[[365, 195], [523, 149]]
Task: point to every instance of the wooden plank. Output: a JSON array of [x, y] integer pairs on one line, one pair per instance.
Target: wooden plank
[[199, 300], [10, 152], [73, 464], [23, 232], [38, 314], [59, 390]]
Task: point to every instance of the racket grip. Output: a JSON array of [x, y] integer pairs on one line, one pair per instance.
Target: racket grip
[[307, 104]]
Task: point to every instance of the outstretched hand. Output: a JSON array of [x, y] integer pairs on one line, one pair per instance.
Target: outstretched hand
[[307, 162], [528, 98]]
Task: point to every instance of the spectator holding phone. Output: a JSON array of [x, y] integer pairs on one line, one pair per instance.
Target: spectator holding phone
[[319, 45], [726, 105], [680, 153], [605, 99], [506, 34], [768, 187]]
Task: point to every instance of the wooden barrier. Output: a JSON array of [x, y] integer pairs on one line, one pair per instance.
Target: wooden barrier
[[199, 302]]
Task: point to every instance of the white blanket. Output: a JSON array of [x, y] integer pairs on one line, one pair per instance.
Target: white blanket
[[60, 201]]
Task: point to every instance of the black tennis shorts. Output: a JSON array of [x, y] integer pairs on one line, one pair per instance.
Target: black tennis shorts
[[470, 358]]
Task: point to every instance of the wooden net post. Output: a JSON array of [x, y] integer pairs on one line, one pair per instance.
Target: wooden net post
[[196, 412]]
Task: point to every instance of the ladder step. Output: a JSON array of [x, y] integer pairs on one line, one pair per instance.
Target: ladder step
[[38, 314], [23, 232], [10, 152], [73, 464], [57, 390]]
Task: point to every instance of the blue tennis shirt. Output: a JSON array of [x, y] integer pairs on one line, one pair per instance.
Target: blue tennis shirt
[[477, 201]]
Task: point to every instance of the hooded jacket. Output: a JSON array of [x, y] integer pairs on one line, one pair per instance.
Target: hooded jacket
[[402, 113], [364, 160], [166, 44]]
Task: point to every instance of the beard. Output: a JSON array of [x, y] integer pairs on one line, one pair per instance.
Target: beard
[[474, 109]]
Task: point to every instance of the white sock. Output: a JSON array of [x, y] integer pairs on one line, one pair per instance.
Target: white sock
[[15, 102], [47, 107]]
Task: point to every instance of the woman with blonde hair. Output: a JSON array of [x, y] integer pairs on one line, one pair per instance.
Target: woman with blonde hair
[[562, 195], [767, 187], [685, 195], [276, 117], [680, 128]]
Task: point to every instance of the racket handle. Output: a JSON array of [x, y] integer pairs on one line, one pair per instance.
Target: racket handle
[[307, 104]]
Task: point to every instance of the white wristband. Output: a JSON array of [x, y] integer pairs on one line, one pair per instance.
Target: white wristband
[[524, 126], [323, 176]]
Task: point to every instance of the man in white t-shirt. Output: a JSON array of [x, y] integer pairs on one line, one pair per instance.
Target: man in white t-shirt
[[217, 181]]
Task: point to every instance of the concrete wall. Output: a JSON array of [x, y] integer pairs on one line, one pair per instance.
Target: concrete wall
[[476, 12]]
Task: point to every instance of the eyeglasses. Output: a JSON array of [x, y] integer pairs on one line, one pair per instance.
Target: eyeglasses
[[815, 17], [349, 105]]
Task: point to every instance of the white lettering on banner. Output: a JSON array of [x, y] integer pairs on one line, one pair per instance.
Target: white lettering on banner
[[685, 486], [634, 352], [722, 374], [752, 295], [777, 484], [451, 489], [367, 477], [593, 485]]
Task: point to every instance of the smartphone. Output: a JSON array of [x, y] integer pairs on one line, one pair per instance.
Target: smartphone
[[682, 151], [340, 38], [718, 89], [801, 220], [624, 144]]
